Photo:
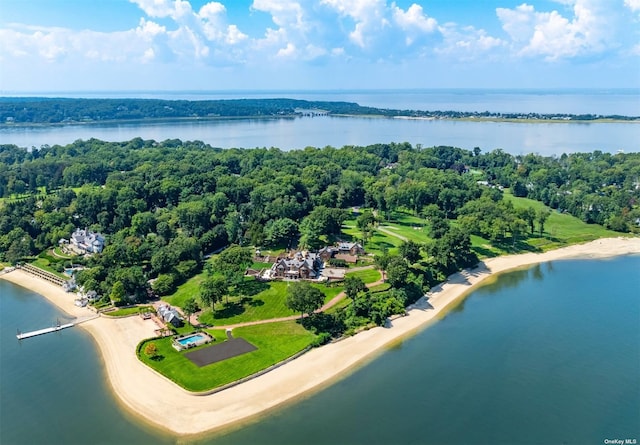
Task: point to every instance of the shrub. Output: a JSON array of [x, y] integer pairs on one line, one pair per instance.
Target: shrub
[[337, 262]]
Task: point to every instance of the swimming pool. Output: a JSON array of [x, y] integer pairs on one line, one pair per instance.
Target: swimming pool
[[191, 340]]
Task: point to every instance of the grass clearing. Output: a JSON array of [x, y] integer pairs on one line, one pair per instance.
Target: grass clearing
[[49, 263], [188, 289], [275, 342], [378, 241], [561, 229], [125, 312], [367, 276], [258, 301]]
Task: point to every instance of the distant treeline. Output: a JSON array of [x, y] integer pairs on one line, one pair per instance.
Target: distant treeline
[[33, 110]]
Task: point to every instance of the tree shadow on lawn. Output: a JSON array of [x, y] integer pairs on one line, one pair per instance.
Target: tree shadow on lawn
[[382, 244], [234, 308], [229, 310], [484, 252], [250, 287], [519, 246]]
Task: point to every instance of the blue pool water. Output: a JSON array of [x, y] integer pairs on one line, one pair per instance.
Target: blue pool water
[[191, 339]]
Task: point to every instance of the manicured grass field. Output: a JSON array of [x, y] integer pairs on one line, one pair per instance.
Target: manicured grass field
[[260, 301], [127, 311], [368, 276], [275, 342], [189, 289], [378, 241], [560, 230], [258, 265], [46, 262], [60, 254]]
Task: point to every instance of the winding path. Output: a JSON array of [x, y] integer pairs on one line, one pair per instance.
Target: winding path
[[393, 234], [329, 304]]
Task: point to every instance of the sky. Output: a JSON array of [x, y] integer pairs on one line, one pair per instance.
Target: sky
[[190, 45]]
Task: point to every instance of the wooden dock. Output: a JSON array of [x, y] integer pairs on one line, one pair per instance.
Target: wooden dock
[[56, 328]]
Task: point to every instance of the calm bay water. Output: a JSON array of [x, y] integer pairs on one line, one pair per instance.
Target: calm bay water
[[546, 355], [289, 134]]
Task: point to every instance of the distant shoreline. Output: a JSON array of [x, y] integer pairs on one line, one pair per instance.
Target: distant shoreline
[[191, 120], [162, 403], [43, 112]]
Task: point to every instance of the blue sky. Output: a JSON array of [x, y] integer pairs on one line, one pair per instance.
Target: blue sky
[[122, 45]]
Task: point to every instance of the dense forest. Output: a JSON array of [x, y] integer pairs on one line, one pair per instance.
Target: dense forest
[[165, 206], [31, 111]]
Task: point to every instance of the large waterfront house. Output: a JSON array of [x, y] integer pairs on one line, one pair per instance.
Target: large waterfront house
[[301, 265], [345, 251], [85, 241], [351, 248]]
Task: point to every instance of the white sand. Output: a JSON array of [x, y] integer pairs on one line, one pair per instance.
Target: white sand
[[164, 404]]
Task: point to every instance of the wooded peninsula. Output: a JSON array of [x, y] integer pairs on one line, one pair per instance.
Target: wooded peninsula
[[67, 111], [241, 236]]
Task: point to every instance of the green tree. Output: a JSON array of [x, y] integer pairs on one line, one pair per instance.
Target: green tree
[[310, 231], [381, 261], [366, 223], [212, 290], [304, 298], [189, 308], [541, 218], [528, 214], [397, 272], [280, 231], [117, 293], [410, 251], [232, 263], [165, 284], [353, 285]]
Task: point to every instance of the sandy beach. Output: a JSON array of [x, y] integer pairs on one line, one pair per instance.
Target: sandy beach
[[164, 404]]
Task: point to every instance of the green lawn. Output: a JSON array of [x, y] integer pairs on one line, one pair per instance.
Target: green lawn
[[188, 289], [414, 232], [46, 262], [62, 255], [275, 342], [377, 241], [559, 230], [368, 276], [259, 301], [127, 311], [259, 266]]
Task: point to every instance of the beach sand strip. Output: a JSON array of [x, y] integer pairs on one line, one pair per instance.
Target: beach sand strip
[[164, 404]]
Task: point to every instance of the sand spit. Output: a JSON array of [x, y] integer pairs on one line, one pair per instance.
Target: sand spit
[[166, 405]]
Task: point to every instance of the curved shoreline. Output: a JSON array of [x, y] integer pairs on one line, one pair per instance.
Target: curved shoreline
[[163, 404]]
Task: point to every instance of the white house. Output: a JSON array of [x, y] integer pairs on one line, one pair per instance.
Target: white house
[[86, 241]]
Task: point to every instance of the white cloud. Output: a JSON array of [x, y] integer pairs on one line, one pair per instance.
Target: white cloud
[[176, 9], [368, 15], [468, 43], [633, 5], [284, 13], [287, 52], [590, 29], [320, 32], [414, 18]]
